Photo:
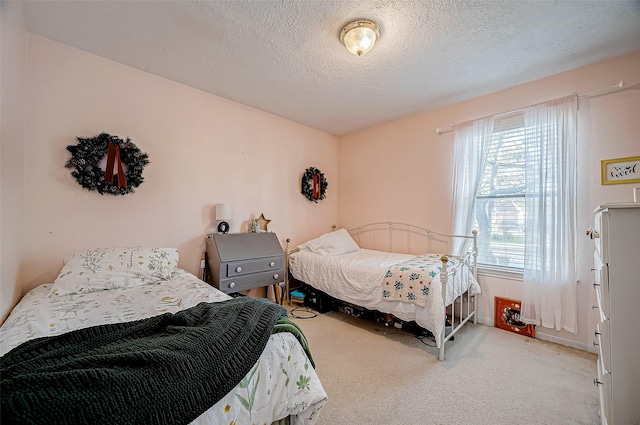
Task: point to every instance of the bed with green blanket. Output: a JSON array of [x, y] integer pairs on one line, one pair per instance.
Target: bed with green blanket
[[172, 352]]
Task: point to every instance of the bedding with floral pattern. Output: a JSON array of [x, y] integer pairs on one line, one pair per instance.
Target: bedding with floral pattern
[[100, 269], [282, 383]]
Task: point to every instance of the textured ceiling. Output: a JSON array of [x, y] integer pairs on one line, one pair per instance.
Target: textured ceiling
[[284, 56]]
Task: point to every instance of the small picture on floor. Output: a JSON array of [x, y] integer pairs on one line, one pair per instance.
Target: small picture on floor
[[507, 317]]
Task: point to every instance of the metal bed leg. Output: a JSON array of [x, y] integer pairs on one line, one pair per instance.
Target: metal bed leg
[[441, 353], [475, 309]]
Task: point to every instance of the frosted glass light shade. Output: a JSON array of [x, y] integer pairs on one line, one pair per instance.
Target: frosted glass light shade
[[223, 212], [360, 36]]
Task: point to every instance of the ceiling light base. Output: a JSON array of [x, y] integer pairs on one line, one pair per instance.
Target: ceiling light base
[[360, 36]]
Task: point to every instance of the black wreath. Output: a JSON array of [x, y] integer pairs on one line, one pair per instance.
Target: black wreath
[[86, 155], [307, 189]]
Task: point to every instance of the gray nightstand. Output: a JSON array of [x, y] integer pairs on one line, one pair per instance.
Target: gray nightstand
[[241, 261]]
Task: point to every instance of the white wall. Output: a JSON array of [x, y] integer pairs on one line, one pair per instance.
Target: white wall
[[12, 122], [203, 150], [402, 170]]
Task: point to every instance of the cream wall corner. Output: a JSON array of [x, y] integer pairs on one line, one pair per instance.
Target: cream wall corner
[[13, 47], [402, 170], [206, 150], [203, 150]]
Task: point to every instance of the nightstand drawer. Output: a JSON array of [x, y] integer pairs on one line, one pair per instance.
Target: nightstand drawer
[[601, 241], [601, 392], [604, 346], [254, 265], [241, 283], [601, 285]]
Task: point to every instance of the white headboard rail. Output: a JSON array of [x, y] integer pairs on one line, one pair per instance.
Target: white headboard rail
[[396, 225]]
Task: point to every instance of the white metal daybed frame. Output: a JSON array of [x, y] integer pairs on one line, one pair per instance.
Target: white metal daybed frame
[[469, 259]]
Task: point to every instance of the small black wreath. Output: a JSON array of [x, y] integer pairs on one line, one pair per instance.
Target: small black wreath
[[87, 154], [319, 192]]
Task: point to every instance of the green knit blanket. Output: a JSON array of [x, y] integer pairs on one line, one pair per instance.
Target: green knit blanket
[[166, 369]]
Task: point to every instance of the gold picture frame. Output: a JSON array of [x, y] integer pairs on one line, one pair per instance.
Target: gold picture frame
[[620, 170]]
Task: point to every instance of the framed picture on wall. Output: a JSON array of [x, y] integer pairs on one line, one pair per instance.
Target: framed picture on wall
[[507, 317], [621, 170]]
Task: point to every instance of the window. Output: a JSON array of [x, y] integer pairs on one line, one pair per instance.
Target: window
[[500, 203], [517, 173]]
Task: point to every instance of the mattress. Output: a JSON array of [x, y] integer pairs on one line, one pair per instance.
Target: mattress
[[357, 277], [276, 396]]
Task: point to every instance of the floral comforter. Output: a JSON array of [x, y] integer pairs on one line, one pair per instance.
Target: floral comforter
[[282, 383], [410, 281]]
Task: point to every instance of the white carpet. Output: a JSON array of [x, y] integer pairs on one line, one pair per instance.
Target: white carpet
[[382, 375]]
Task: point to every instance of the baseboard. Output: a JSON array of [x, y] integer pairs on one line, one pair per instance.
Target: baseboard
[[566, 342], [550, 338], [486, 321]]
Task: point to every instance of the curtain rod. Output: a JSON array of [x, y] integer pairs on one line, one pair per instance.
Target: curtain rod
[[619, 86], [601, 92], [441, 132]]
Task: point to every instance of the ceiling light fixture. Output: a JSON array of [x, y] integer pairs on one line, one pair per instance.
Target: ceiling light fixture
[[360, 36]]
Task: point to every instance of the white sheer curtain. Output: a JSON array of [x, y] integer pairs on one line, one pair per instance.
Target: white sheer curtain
[[549, 291], [471, 143]]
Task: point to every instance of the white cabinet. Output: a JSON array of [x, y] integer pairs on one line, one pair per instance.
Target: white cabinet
[[617, 334]]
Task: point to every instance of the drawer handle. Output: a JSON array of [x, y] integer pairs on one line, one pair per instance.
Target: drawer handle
[[596, 382], [272, 264], [238, 269], [594, 307], [595, 285], [595, 344], [596, 333], [232, 285], [275, 276]]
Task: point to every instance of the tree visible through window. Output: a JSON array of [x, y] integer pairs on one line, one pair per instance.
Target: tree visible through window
[[499, 211]]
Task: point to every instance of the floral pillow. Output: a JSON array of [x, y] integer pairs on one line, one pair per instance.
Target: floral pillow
[[100, 269]]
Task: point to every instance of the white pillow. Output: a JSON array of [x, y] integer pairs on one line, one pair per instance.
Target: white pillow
[[93, 270], [334, 243]]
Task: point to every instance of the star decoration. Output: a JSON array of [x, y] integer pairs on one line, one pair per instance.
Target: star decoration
[[263, 222]]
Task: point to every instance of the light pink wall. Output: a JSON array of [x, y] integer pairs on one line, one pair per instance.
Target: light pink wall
[[203, 150], [402, 170], [206, 150], [12, 87]]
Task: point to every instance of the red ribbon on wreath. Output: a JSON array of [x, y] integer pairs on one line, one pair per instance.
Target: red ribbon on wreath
[[313, 184], [315, 192], [113, 157]]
